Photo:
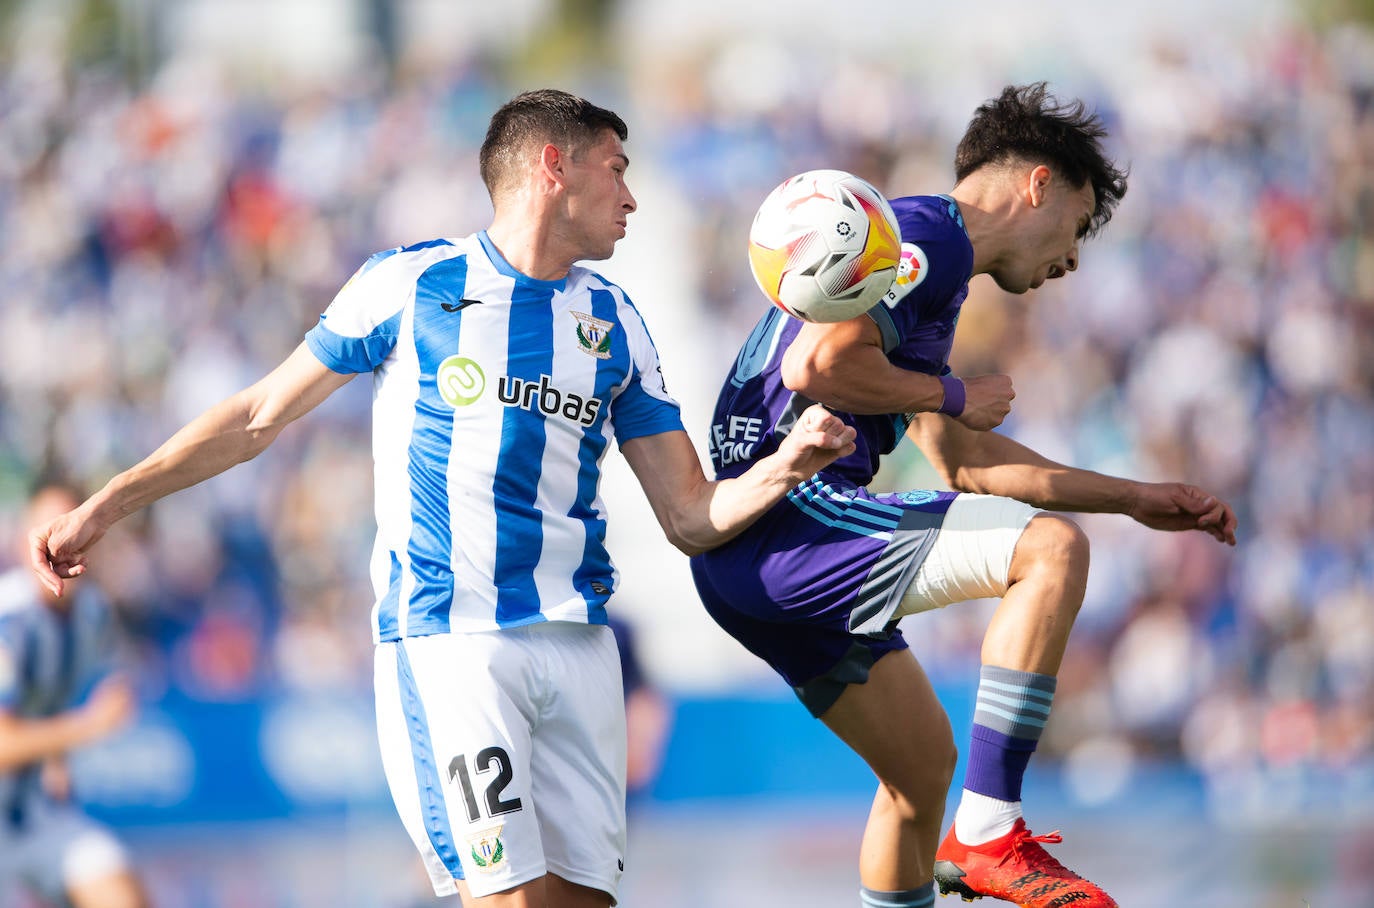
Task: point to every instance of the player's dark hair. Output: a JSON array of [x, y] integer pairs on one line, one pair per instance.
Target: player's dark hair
[[546, 115], [1027, 122]]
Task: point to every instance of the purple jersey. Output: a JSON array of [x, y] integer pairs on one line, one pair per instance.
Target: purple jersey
[[755, 410], [813, 586]]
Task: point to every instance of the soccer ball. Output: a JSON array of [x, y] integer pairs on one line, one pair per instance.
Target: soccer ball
[[825, 246]]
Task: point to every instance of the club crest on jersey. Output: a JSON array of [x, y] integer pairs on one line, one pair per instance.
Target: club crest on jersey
[[593, 335], [488, 852]]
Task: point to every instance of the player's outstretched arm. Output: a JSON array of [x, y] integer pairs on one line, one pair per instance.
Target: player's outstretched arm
[[992, 464], [843, 365], [25, 740], [698, 514], [234, 430]]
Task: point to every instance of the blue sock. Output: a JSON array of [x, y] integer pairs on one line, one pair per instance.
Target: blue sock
[[920, 897]]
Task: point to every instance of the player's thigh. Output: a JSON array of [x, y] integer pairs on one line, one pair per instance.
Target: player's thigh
[[549, 891], [454, 713], [896, 723], [972, 554], [578, 761]]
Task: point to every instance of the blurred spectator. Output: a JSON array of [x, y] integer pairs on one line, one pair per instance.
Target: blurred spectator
[[56, 696], [232, 204]]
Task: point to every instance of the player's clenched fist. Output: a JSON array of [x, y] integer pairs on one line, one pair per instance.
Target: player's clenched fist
[[818, 439], [987, 401]]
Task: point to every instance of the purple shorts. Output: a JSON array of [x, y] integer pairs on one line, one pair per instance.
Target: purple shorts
[[813, 586]]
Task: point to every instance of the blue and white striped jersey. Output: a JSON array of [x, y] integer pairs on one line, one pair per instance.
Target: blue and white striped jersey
[[48, 660], [495, 397]]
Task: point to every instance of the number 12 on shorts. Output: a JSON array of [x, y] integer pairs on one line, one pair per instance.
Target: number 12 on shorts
[[489, 759]]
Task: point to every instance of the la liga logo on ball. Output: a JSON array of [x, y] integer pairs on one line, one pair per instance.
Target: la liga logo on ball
[[824, 246]]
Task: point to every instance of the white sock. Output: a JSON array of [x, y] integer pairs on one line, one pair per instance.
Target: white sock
[[981, 819]]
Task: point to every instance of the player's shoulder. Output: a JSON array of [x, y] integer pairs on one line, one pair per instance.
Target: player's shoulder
[[930, 219], [934, 233], [405, 264], [582, 279]]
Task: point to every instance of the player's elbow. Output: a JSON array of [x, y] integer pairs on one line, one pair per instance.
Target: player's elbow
[[686, 537]]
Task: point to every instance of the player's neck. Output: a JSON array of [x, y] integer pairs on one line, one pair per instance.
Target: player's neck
[[530, 246], [987, 210]]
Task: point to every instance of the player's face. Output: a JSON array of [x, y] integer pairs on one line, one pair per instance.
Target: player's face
[[599, 202], [1054, 229]]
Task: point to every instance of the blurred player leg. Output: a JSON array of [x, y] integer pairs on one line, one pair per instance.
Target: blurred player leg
[[117, 890], [549, 891]]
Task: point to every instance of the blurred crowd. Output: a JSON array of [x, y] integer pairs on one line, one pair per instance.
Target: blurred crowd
[[168, 238], [1221, 331]]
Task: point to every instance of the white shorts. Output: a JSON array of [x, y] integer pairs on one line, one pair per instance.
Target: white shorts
[[505, 754], [57, 847], [971, 557]]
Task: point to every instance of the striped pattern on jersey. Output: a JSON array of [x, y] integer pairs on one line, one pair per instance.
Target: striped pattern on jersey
[[841, 508], [495, 398], [47, 662]]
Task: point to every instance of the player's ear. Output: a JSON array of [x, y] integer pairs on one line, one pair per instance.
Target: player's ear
[[1037, 182], [552, 164]]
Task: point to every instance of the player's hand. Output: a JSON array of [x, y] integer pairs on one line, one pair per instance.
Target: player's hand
[[1176, 506], [109, 707], [987, 401], [817, 440], [57, 549]]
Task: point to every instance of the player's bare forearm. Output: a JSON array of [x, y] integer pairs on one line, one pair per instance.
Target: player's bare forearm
[[698, 514], [24, 741], [234, 430], [992, 464]]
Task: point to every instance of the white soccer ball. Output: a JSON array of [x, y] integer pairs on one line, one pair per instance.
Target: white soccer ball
[[825, 246]]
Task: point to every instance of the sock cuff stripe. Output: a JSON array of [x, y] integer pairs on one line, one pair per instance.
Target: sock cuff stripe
[[1024, 690], [920, 897], [1021, 704], [1016, 719]]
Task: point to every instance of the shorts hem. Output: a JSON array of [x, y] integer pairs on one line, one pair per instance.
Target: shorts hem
[[820, 693]]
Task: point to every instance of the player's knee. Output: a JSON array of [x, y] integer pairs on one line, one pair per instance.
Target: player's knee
[[1054, 543], [921, 787]]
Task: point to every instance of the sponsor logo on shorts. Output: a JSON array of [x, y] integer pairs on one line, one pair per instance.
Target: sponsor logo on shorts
[[488, 851]]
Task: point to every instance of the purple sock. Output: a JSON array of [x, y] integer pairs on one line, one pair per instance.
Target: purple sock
[[1010, 714]]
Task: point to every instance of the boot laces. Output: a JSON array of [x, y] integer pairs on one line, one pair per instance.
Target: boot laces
[[1026, 848]]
